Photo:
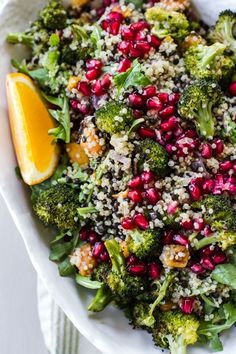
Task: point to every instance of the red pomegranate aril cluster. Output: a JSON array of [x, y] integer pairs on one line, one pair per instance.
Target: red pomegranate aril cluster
[[208, 263], [187, 305], [84, 88], [113, 22], [136, 100], [128, 223], [89, 235], [187, 224], [141, 221], [197, 268], [101, 86], [147, 177], [99, 252], [124, 65], [232, 88]]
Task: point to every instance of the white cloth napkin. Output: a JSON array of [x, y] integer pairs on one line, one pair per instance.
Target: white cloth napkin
[[60, 335]]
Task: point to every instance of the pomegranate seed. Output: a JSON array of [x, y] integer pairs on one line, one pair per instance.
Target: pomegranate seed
[[84, 234], [135, 195], [170, 148], [135, 52], [207, 231], [152, 196], [219, 184], [98, 249], [97, 88], [178, 130], [137, 269], [84, 108], [127, 34], [232, 189], [169, 124], [124, 47], [93, 74], [105, 25], [128, 224], [106, 81], [74, 105], [106, 3], [136, 100], [93, 64], [114, 28], [173, 98], [149, 91], [141, 221], [208, 251], [147, 177], [139, 26], [197, 268], [168, 237], [137, 113], [181, 240], [153, 41], [168, 136], [219, 258], [145, 132], [93, 237], [154, 103], [206, 151], [195, 192], [135, 182], [187, 224], [154, 271], [226, 166], [104, 256], [208, 186], [140, 36], [166, 112], [172, 208], [143, 47], [124, 65], [132, 259], [115, 16], [84, 88], [187, 305], [163, 97], [219, 146], [198, 224], [208, 263], [232, 88]]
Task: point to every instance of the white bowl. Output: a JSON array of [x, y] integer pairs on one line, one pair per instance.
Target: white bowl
[[108, 331]]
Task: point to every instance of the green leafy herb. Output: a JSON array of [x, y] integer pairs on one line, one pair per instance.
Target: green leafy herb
[[40, 75], [86, 282], [95, 39], [60, 250], [66, 268], [225, 274], [135, 125], [80, 33], [137, 3], [62, 116], [132, 77]]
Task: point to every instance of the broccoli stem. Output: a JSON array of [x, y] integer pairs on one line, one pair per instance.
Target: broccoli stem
[[177, 346], [212, 51], [102, 298], [205, 242], [84, 212], [115, 254], [20, 38], [206, 121]]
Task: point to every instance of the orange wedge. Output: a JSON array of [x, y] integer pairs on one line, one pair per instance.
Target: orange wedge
[[30, 121]]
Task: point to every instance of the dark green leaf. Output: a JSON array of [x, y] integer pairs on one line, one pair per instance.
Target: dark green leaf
[[225, 274], [132, 77], [39, 75], [137, 3], [215, 344], [66, 268], [62, 116], [95, 39], [135, 125], [86, 282], [60, 250]]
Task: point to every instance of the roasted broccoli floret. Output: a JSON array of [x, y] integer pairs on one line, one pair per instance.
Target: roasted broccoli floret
[[143, 243], [153, 154], [204, 61], [114, 117], [58, 206], [102, 298], [197, 102], [101, 272], [224, 30], [175, 331], [119, 280], [54, 15], [138, 314], [167, 23], [218, 212]]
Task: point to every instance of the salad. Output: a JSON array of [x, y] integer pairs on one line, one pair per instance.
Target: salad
[[140, 196]]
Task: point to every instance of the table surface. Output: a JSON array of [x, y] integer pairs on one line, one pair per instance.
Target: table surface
[[19, 324]]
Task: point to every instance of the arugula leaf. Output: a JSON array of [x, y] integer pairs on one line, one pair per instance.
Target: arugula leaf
[[212, 329], [137, 3], [225, 274], [60, 250], [95, 39], [80, 33], [66, 268], [135, 125], [132, 77], [40, 75], [62, 116], [86, 282]]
